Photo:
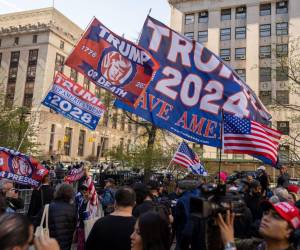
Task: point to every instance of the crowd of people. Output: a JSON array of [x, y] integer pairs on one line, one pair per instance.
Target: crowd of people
[[226, 212]]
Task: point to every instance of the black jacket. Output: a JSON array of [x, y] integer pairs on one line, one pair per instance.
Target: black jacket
[[39, 198], [62, 222]]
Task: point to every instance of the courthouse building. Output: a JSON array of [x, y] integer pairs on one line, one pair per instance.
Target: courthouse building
[[33, 46], [252, 36]]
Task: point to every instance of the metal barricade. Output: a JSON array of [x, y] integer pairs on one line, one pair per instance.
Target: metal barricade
[[25, 195]]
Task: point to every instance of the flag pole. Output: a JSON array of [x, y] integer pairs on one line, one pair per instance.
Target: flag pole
[[221, 147]]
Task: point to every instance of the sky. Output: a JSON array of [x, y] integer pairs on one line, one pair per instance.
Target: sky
[[121, 16]]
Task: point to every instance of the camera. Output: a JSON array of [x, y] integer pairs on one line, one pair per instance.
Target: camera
[[215, 200]]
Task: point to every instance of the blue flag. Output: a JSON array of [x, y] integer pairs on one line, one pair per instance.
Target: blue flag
[[191, 88]]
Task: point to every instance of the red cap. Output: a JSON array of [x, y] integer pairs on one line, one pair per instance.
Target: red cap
[[293, 188], [287, 211]]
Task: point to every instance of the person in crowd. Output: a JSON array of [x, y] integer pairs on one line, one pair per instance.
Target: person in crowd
[[151, 232], [283, 178], [253, 200], [62, 216], [11, 194], [279, 194], [81, 201], [3, 204], [113, 231], [182, 221], [108, 196], [263, 178], [16, 233], [52, 175], [40, 197], [278, 229]]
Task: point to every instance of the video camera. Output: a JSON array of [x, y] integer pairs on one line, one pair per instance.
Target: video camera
[[215, 200]]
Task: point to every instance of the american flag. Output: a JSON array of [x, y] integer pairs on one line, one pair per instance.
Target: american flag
[[243, 136], [187, 158]]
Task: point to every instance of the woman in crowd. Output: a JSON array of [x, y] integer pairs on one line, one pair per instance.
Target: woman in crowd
[[151, 232], [62, 216], [16, 233]]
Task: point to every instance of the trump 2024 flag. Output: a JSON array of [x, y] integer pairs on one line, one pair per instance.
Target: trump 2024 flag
[[243, 136]]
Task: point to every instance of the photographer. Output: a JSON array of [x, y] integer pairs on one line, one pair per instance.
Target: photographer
[[279, 229]]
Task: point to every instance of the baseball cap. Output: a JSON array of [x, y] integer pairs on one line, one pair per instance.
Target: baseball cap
[[293, 188], [261, 168], [286, 210]]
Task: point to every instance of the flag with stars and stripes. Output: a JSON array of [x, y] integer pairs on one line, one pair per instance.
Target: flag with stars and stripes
[[243, 136], [188, 159]]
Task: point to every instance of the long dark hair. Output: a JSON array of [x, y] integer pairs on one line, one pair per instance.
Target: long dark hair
[[154, 231], [14, 230]]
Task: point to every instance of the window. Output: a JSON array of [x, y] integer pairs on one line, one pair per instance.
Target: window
[[59, 63], [225, 14], [16, 41], [265, 9], [13, 67], [10, 94], [97, 91], [122, 122], [265, 51], [62, 45], [203, 17], [265, 30], [121, 143], [282, 7], [240, 53], [129, 122], [189, 35], [225, 34], [0, 42], [282, 50], [103, 147], [284, 153], [240, 12], [240, 33], [241, 73], [68, 140], [74, 75], [128, 146], [283, 127], [31, 68], [28, 94], [0, 59], [81, 142], [86, 83], [105, 119], [115, 120], [34, 39], [202, 36], [282, 97], [189, 18], [282, 73], [282, 29], [225, 54], [51, 142], [265, 74], [265, 97]]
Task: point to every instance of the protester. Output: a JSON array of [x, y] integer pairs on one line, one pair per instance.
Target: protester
[[11, 194], [263, 179], [40, 197], [151, 232], [113, 231], [182, 220], [62, 216], [81, 200], [283, 178], [108, 196], [16, 233], [277, 228], [253, 200], [93, 203], [3, 204]]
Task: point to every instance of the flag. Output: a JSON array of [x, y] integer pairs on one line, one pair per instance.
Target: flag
[[74, 175], [187, 158], [93, 202], [243, 136], [191, 87], [112, 62], [21, 168], [71, 100]]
